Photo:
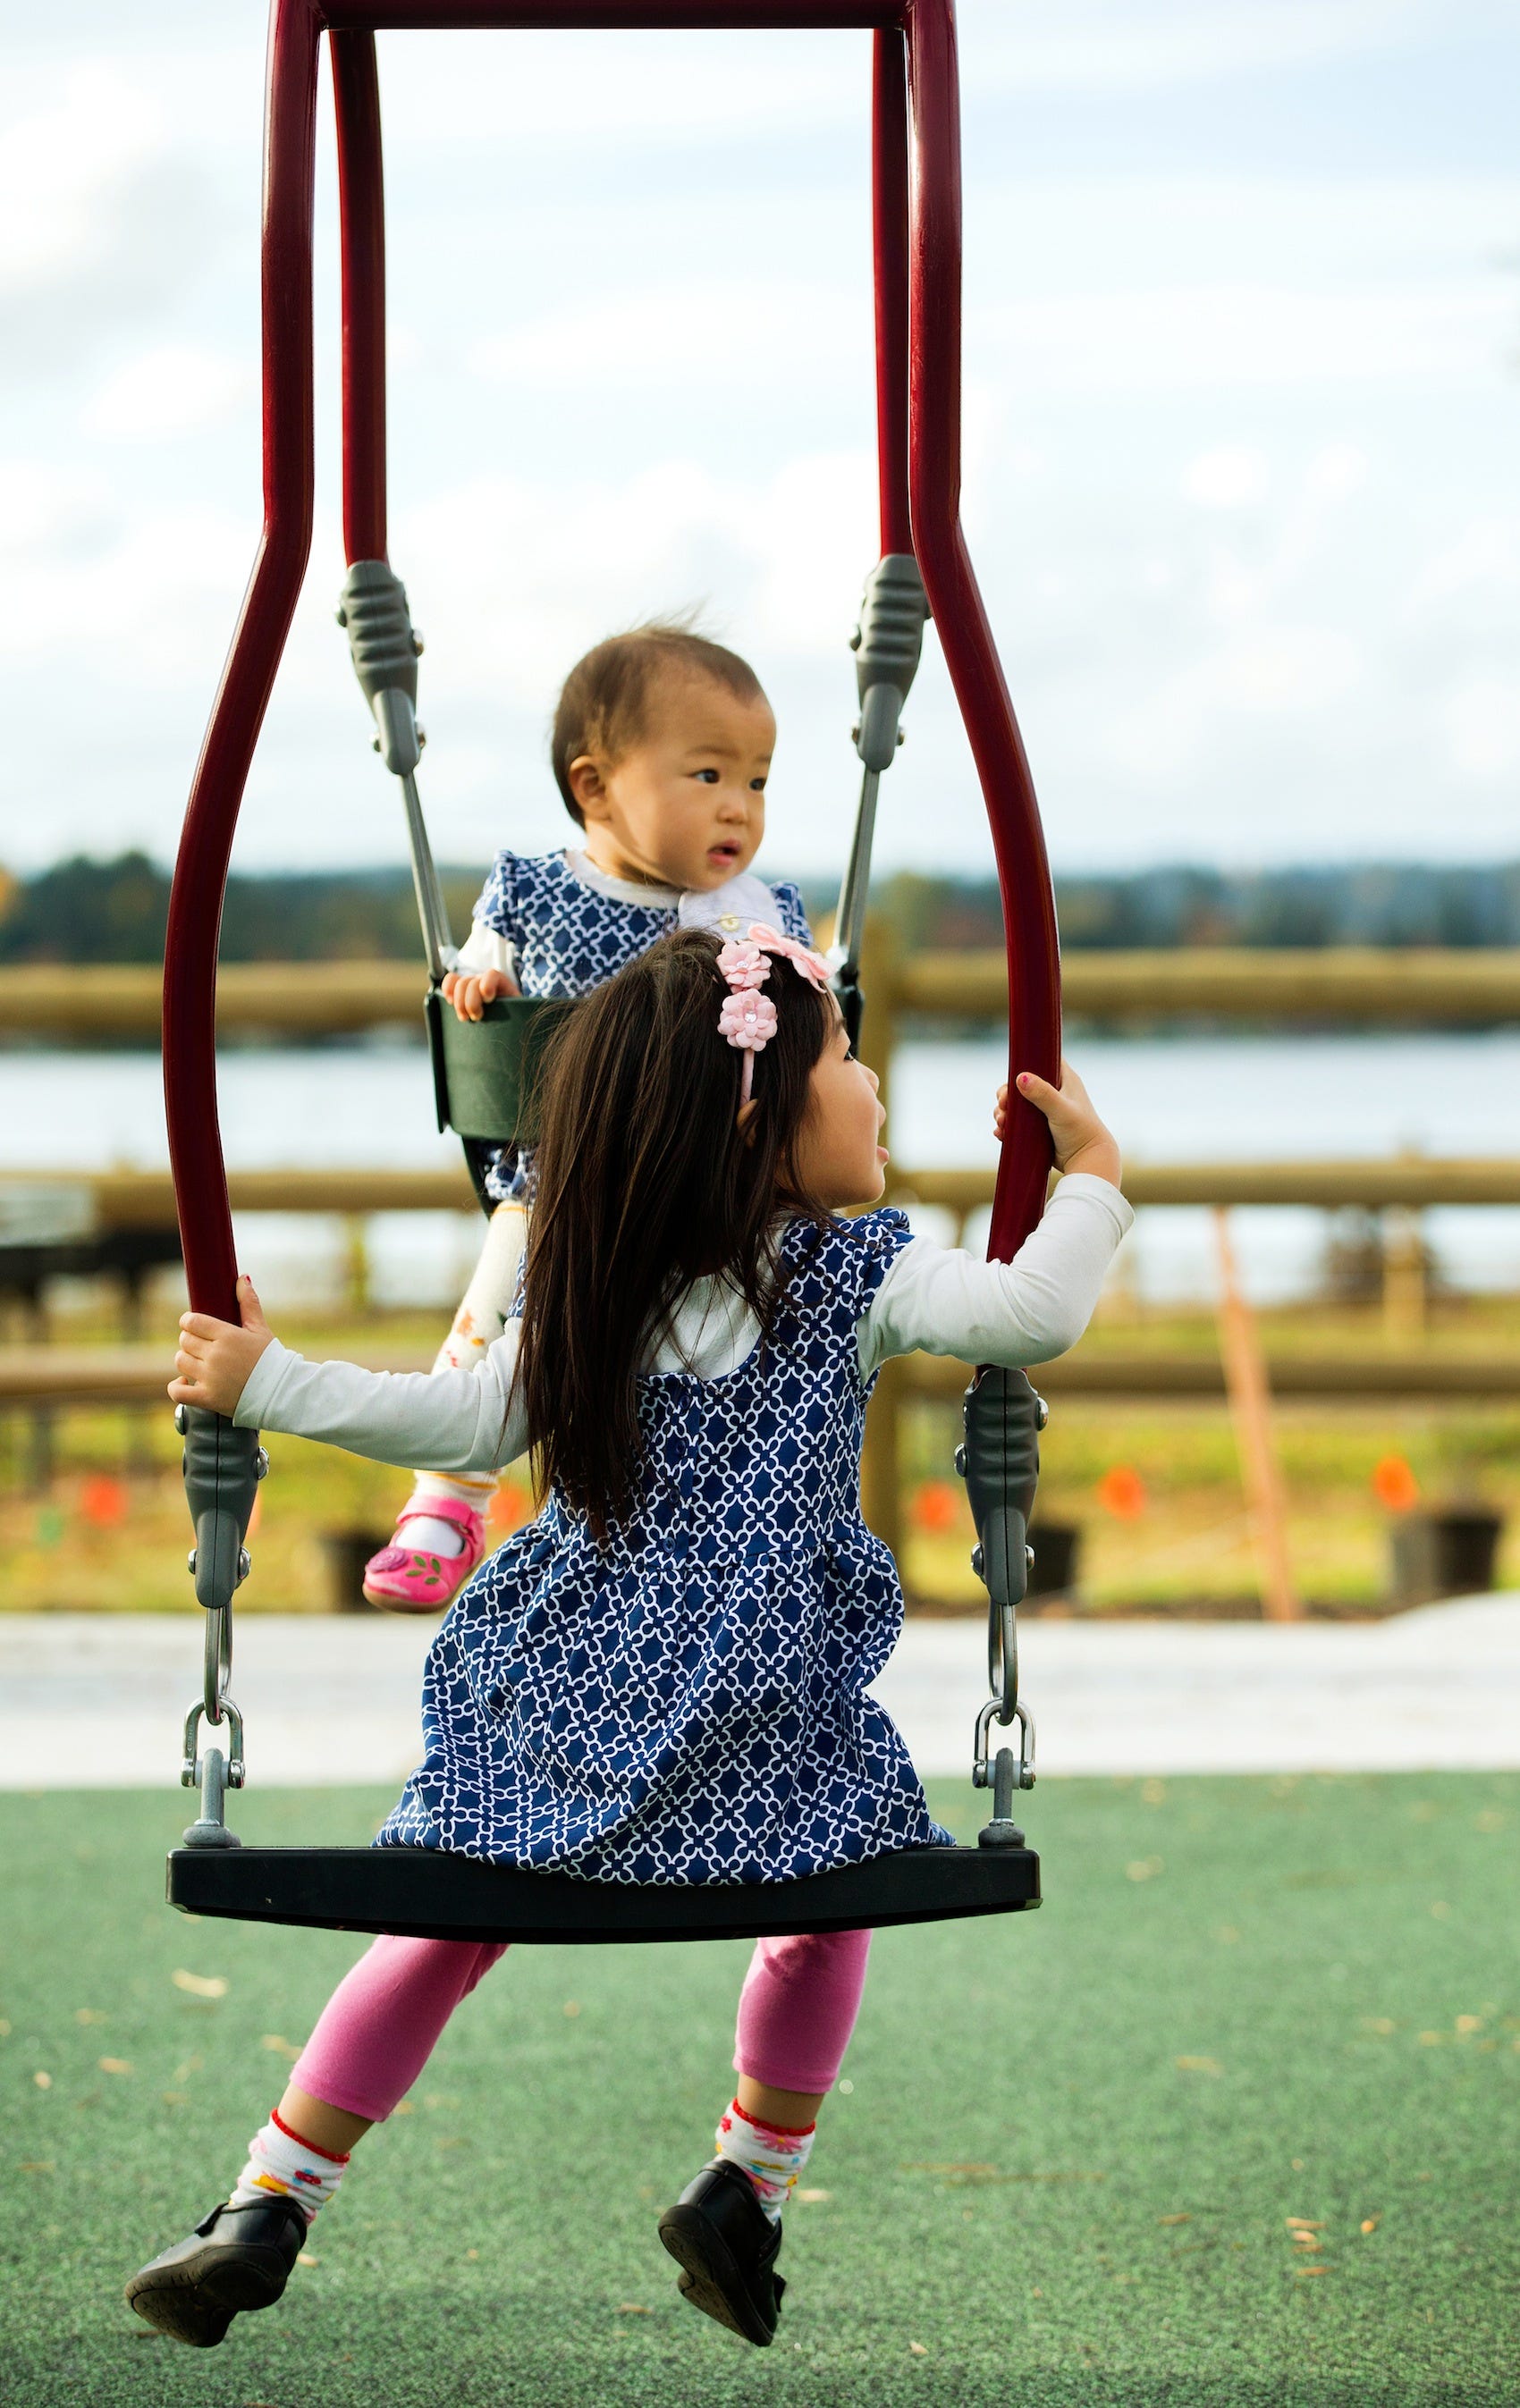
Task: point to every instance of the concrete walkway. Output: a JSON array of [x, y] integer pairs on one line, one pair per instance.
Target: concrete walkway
[[99, 1701]]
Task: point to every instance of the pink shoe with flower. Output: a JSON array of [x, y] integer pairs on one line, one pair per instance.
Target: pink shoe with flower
[[413, 1580]]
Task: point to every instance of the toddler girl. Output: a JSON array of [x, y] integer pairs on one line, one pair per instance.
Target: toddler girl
[[665, 1677], [661, 749]]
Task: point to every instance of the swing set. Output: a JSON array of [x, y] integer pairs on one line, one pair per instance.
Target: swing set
[[483, 1073]]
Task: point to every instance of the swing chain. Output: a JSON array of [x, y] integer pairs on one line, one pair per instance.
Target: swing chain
[[372, 611], [886, 643], [223, 1468], [999, 1461]]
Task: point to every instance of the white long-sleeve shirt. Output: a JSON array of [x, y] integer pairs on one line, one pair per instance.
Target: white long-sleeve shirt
[[939, 1298]]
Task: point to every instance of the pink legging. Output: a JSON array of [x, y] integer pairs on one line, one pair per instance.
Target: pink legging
[[797, 2012]]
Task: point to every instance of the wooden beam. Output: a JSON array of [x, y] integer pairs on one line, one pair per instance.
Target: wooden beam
[[102, 1375], [133, 1375], [338, 997], [1420, 987], [1199, 1379], [126, 1200], [1408, 1180]]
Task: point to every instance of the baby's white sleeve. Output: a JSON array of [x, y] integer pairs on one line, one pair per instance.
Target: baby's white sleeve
[[438, 1421], [484, 948], [945, 1302]]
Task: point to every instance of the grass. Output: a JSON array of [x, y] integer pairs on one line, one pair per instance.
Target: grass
[[1073, 2167], [1183, 1546]]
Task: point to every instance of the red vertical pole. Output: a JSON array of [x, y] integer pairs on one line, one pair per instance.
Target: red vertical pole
[[200, 874], [889, 244], [965, 637], [361, 200]]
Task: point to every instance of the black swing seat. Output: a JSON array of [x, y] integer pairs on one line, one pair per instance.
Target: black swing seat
[[425, 1894]]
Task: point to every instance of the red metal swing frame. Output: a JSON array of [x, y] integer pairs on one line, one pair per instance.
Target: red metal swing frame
[[916, 189]]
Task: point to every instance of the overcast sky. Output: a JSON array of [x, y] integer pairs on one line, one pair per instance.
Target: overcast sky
[[1242, 387]]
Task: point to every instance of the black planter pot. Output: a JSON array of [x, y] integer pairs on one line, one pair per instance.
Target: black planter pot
[[1448, 1553], [1057, 1547]]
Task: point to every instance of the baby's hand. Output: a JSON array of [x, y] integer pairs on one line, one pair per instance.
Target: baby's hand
[[1081, 1140], [215, 1357], [471, 991]]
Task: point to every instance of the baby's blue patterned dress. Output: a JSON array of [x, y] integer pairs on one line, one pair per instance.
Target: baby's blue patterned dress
[[568, 938], [687, 1703]]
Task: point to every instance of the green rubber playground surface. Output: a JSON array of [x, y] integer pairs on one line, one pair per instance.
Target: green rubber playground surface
[[1231, 2120]]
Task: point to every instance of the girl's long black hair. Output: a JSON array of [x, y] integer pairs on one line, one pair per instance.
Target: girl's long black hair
[[645, 1182]]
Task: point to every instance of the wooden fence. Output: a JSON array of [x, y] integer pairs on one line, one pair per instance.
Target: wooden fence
[[1423, 987], [1334, 987]]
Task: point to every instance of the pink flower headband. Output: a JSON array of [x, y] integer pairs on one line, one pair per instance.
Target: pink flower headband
[[748, 1018]]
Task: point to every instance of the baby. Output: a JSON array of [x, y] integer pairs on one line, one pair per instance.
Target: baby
[[661, 749]]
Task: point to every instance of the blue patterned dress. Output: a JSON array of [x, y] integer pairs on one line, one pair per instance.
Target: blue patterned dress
[[568, 938], [687, 1704]]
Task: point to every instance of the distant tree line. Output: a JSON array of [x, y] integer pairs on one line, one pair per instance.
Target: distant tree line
[[86, 911]]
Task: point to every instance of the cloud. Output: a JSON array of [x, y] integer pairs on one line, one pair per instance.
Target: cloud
[[119, 599], [1246, 335], [105, 211], [49, 511], [1483, 728], [1239, 470], [1227, 478], [572, 98], [1092, 45], [174, 389], [708, 331], [1276, 673], [521, 574]]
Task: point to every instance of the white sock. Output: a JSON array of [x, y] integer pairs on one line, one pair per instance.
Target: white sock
[[281, 2165], [772, 2156], [427, 1532]]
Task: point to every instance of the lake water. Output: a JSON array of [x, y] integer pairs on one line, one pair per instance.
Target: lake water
[[1170, 1099]]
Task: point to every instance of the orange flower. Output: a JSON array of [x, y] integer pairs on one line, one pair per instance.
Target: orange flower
[[103, 1501], [1122, 1493], [1394, 1485], [510, 1507], [935, 1507]]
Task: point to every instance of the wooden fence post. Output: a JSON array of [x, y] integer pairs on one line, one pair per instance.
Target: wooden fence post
[[1249, 1398], [1403, 1276], [356, 1266]]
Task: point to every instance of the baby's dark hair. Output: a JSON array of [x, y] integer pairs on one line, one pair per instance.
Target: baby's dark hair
[[644, 1182], [604, 702]]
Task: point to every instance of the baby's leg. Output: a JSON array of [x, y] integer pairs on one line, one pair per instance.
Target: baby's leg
[[443, 1515]]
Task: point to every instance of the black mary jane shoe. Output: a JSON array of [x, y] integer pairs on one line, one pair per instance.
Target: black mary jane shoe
[[727, 2247], [238, 2258]]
